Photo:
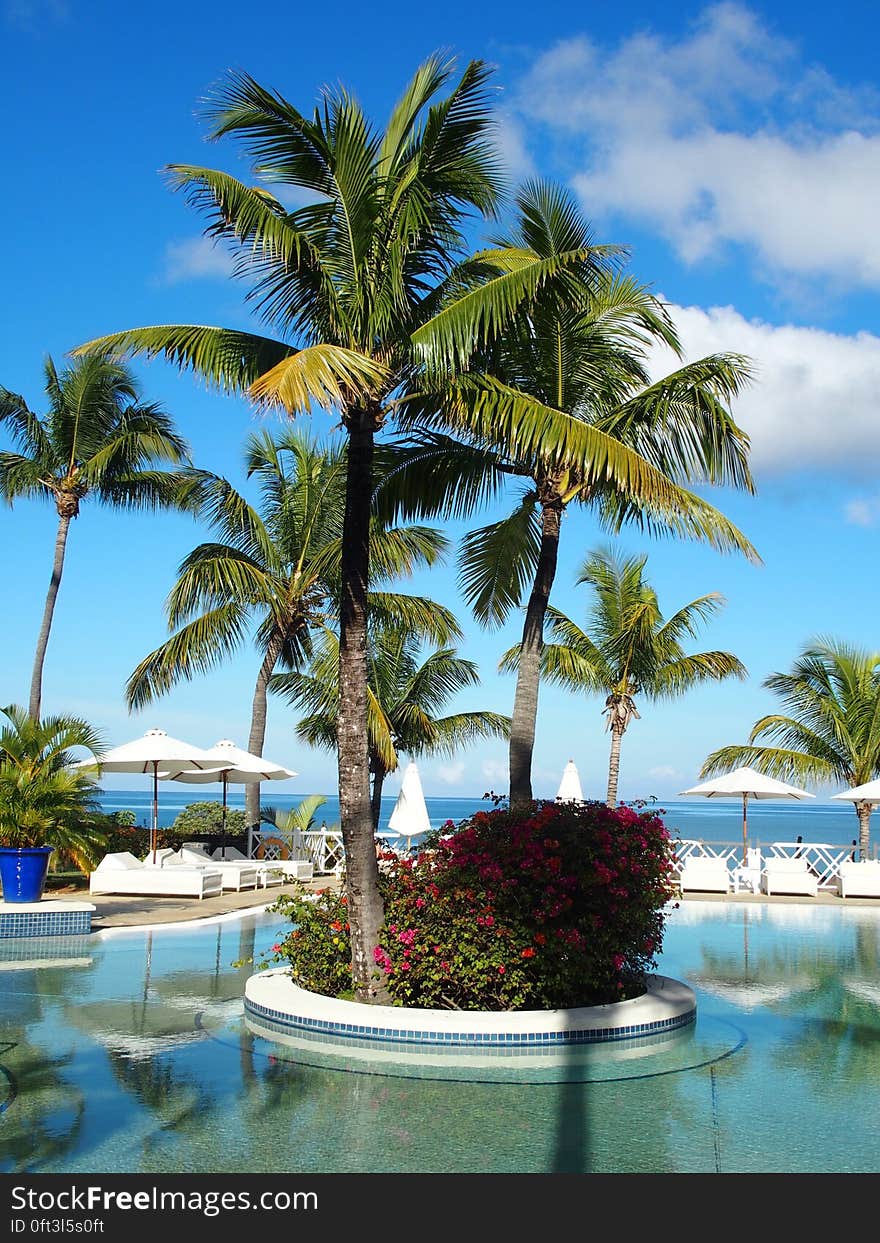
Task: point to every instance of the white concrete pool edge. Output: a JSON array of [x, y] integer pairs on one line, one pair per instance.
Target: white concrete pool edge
[[202, 922], [271, 995]]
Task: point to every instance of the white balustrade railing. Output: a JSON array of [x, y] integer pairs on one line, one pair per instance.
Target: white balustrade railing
[[823, 860], [322, 846]]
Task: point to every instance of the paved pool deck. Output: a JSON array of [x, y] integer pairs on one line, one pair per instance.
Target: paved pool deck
[[117, 911], [140, 910]]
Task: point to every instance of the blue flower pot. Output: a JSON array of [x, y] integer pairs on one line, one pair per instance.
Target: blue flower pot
[[23, 872]]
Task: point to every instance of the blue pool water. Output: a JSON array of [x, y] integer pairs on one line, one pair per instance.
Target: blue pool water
[[127, 1052]]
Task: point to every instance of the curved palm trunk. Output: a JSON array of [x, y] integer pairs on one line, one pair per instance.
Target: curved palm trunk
[[51, 596], [863, 810], [614, 763], [528, 676], [356, 814], [257, 736]]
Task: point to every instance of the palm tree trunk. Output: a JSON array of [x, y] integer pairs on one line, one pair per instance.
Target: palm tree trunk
[[356, 814], [614, 764], [51, 596], [379, 776], [528, 676], [863, 811], [258, 725]]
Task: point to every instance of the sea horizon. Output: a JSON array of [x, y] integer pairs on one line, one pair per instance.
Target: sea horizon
[[713, 821]]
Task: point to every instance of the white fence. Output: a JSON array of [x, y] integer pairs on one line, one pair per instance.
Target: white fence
[[822, 859]]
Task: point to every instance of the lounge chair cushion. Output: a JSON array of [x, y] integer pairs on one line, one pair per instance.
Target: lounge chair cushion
[[859, 879]]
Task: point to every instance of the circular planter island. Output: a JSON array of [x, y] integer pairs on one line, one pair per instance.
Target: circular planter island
[[279, 1010]]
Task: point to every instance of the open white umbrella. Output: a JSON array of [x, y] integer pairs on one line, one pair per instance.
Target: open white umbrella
[[238, 767], [410, 815], [746, 783], [867, 793], [570, 786], [156, 751]]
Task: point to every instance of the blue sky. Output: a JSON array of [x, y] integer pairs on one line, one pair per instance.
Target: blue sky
[[734, 148]]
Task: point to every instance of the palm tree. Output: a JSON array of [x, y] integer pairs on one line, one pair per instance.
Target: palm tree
[[630, 649], [830, 727], [367, 288], [406, 692], [97, 439], [276, 569], [581, 349], [44, 799]]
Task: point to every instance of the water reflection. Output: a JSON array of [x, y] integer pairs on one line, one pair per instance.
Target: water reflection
[[139, 1060]]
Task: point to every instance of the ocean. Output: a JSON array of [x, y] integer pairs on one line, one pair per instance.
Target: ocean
[[708, 820]]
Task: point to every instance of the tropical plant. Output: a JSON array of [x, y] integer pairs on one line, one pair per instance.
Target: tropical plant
[[560, 907], [629, 649], [368, 289], [205, 818], [580, 347], [829, 730], [98, 439], [299, 819], [44, 799], [407, 690], [272, 572]]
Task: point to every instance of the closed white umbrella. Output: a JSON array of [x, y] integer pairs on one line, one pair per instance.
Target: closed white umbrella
[[410, 815], [570, 786], [238, 768], [746, 783], [155, 751]]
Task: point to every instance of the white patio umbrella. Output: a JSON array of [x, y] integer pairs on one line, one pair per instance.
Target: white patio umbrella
[[867, 793], [238, 768], [156, 751], [410, 815], [570, 786], [746, 783]]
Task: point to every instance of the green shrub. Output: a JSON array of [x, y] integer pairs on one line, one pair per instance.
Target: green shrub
[[558, 908], [203, 819]]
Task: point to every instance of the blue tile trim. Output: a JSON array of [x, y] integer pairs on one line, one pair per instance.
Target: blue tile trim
[[594, 1035], [44, 923]]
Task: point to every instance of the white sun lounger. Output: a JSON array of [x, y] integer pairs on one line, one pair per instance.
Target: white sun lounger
[[705, 874], [120, 872], [290, 869], [234, 876], [792, 876], [266, 875], [859, 880]]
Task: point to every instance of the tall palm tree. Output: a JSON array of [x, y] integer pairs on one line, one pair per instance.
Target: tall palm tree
[[98, 439], [367, 288], [406, 692], [580, 348], [630, 650], [276, 568], [830, 729], [44, 799]]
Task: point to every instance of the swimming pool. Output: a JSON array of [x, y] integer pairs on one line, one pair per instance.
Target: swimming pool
[[127, 1052]]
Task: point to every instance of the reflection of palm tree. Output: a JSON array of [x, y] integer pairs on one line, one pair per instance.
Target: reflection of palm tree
[[44, 1120]]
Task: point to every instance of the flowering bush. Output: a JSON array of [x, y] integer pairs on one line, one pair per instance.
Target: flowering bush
[[561, 907]]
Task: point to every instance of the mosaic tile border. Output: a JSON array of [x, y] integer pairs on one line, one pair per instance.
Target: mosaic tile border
[[44, 923], [286, 1021]]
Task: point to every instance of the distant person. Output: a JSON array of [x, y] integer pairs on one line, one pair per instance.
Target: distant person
[[853, 851]]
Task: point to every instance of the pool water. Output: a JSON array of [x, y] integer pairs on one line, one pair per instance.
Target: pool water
[[127, 1052]]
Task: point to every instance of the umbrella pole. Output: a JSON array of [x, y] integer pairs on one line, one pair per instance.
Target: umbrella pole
[[223, 842], [155, 833], [745, 831]]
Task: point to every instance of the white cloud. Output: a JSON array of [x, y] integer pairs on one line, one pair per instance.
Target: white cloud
[[450, 774], [195, 259], [723, 137], [494, 770], [863, 511], [814, 401], [663, 770]]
